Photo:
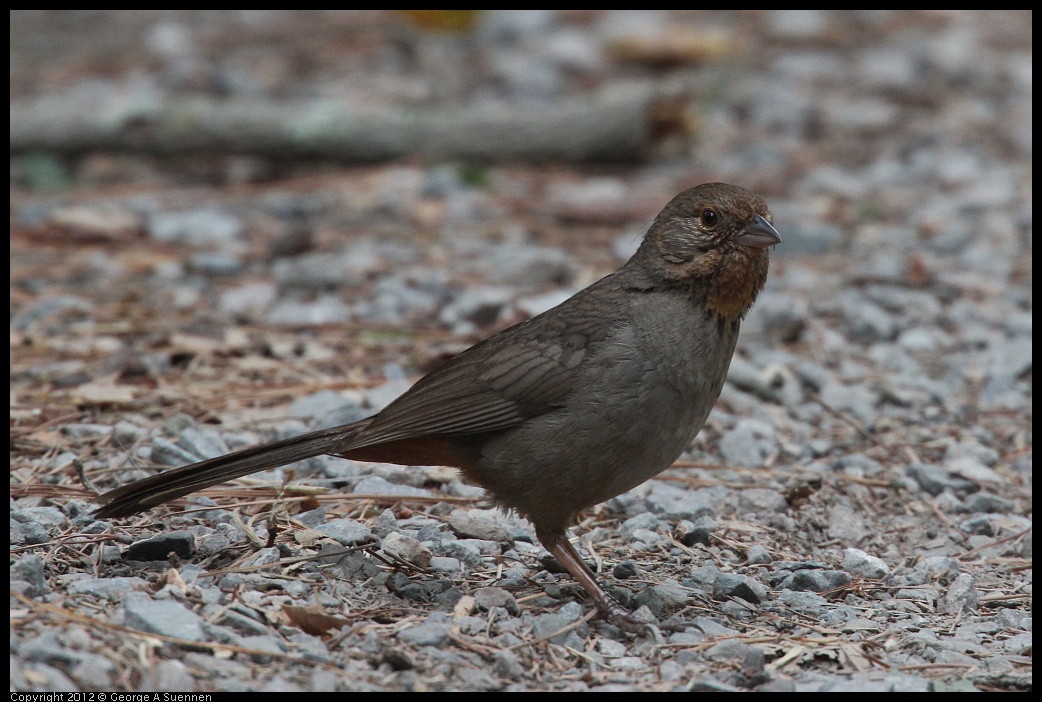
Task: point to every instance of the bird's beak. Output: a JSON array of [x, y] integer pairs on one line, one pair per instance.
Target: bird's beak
[[758, 233]]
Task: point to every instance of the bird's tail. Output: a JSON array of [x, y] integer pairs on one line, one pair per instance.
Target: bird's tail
[[145, 494]]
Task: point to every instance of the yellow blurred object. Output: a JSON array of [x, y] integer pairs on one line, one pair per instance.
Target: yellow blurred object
[[674, 47], [443, 20]]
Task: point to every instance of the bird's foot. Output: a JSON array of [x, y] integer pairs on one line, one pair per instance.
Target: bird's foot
[[617, 615]]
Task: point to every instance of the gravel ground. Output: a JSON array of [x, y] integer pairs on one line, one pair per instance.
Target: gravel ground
[[856, 514]]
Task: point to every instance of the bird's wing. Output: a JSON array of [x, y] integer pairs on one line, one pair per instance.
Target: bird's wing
[[524, 372]]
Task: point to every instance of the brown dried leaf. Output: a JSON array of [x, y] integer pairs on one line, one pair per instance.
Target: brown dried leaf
[[313, 620]]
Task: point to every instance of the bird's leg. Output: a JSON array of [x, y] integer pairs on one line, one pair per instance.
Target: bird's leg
[[611, 609]]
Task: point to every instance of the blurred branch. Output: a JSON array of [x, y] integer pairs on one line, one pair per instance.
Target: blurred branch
[[621, 125]]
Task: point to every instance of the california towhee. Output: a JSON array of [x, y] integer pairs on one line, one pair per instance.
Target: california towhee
[[569, 408]]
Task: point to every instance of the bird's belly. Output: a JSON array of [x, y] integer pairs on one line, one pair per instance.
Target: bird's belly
[[606, 440]]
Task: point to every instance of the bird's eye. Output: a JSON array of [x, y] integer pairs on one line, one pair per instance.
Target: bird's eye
[[709, 218]]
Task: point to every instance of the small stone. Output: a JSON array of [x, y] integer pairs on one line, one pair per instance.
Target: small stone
[[346, 532], [506, 664], [126, 434], [673, 502], [249, 301], [866, 321], [488, 598], [113, 589], [817, 580], [195, 227], [479, 525], [60, 306], [731, 585], [326, 309], [762, 501], [980, 525], [748, 444], [974, 470], [662, 599], [215, 263], [934, 479], [728, 649], [29, 569], [159, 547], [444, 564], [689, 533], [962, 595], [545, 624], [46, 517], [407, 549], [427, 634], [857, 562], [166, 617], [376, 485], [846, 525], [625, 569], [263, 557], [205, 443], [165, 453], [86, 431]]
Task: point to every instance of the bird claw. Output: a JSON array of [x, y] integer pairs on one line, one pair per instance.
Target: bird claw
[[617, 615]]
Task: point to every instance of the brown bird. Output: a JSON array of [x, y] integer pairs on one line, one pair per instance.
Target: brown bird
[[572, 407]]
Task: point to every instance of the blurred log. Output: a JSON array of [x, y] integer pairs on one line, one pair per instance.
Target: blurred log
[[631, 123]]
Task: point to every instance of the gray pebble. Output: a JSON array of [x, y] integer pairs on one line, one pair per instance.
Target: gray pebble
[[159, 547], [816, 580], [429, 633], [165, 617], [197, 227], [934, 479], [165, 453], [506, 664], [444, 564], [729, 649], [113, 589], [203, 442], [488, 598], [46, 517], [758, 555], [846, 525], [86, 431], [673, 502], [68, 307], [972, 469], [625, 569], [328, 408], [962, 595], [762, 501], [748, 444], [249, 300], [375, 485], [382, 395], [662, 599], [531, 266], [479, 524], [545, 624], [346, 532], [319, 271], [216, 263], [407, 549], [325, 309], [981, 525], [731, 585], [29, 569], [866, 321], [858, 563]]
